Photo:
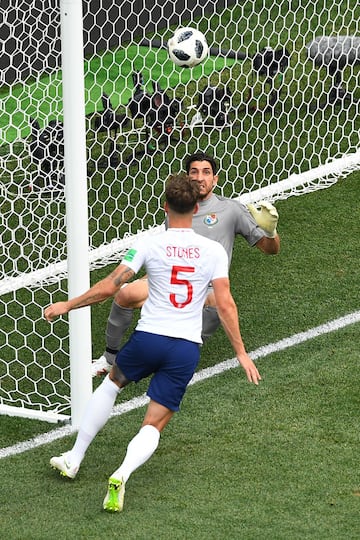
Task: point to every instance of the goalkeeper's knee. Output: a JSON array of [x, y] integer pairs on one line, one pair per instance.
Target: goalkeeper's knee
[[210, 322]]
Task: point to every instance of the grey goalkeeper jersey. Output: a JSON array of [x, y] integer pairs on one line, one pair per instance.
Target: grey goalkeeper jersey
[[221, 219]]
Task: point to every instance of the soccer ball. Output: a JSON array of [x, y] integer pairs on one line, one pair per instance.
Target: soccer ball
[[187, 47]]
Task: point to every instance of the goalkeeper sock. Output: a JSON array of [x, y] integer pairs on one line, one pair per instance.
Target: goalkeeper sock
[[119, 321], [210, 322], [96, 415], [139, 450]]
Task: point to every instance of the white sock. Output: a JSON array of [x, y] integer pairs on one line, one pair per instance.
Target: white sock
[[139, 450], [95, 417]]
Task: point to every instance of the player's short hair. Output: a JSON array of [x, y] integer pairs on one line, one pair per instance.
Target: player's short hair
[[200, 156], [181, 193]]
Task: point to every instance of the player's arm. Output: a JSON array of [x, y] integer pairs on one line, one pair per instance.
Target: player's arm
[[97, 293], [228, 314], [269, 246]]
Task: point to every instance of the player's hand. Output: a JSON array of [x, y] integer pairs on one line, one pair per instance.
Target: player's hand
[[250, 369], [266, 217], [59, 308]]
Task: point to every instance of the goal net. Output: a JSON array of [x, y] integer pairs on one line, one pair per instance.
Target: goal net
[[275, 103]]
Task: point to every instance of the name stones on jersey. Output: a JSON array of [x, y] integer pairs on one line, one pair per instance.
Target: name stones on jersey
[[191, 252]]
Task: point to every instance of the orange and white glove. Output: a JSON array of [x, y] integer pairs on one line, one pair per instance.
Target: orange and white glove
[[266, 217]]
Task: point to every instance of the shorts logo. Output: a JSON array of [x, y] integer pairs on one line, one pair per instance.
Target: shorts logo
[[130, 255], [210, 220]]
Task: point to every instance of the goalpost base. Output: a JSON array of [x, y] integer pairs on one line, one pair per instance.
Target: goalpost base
[[23, 412]]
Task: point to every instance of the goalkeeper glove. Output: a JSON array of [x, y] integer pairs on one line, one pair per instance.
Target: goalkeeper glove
[[267, 217]]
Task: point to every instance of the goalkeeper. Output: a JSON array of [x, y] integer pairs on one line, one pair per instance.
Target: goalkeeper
[[219, 218]]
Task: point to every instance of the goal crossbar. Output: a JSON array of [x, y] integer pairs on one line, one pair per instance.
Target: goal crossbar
[[324, 175]]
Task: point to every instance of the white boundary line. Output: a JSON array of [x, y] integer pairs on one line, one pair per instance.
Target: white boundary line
[[201, 375]]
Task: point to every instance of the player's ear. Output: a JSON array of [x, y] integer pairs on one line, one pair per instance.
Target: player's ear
[[196, 208], [215, 181], [166, 207]]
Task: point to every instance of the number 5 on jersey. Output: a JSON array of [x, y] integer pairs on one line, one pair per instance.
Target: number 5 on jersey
[[180, 281]]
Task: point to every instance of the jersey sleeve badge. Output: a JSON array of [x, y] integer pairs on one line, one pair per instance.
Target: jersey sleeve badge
[[130, 254]]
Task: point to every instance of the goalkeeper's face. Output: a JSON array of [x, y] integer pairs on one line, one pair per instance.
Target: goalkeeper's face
[[201, 172]]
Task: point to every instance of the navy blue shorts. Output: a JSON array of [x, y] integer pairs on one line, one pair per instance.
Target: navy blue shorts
[[171, 360]]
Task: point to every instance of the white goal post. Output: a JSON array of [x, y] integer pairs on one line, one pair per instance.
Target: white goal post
[[95, 117]]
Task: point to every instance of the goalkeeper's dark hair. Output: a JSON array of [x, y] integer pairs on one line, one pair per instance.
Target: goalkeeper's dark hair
[[200, 156], [181, 193]]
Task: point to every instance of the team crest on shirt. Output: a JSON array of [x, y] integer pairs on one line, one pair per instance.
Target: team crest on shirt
[[210, 220]]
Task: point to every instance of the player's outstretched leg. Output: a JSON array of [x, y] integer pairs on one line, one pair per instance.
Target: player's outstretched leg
[[130, 296], [119, 321], [210, 322], [96, 414], [139, 450]]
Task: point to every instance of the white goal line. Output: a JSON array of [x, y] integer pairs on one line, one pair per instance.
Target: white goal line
[[201, 375]]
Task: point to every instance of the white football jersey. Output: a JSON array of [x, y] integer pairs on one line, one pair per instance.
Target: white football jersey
[[180, 264], [221, 219]]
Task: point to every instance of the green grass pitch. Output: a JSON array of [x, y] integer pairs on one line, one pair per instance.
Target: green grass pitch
[[275, 462]]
